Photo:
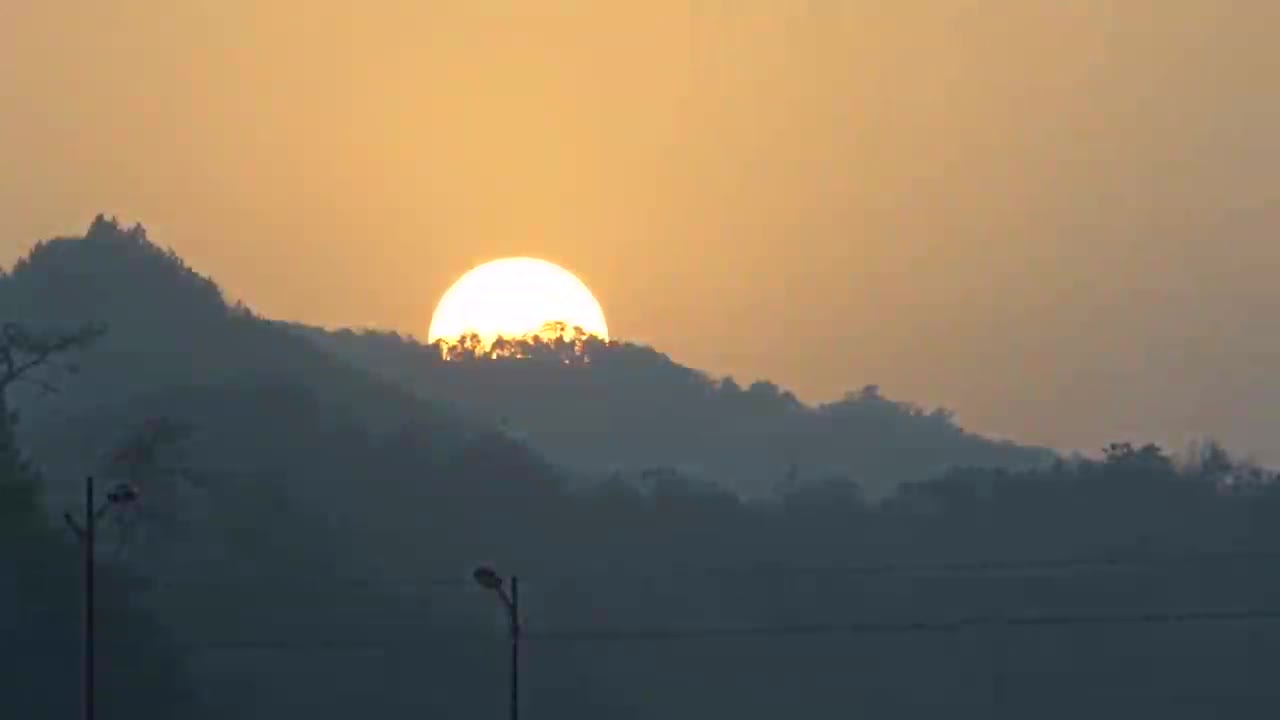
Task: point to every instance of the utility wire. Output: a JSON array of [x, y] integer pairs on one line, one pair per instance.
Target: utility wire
[[621, 634], [1111, 559], [147, 580], [915, 626], [1102, 561]]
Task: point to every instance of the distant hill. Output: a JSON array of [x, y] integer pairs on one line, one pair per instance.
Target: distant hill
[[630, 407], [308, 540], [302, 486], [169, 326]]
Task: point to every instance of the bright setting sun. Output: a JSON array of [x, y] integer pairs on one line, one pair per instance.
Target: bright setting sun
[[513, 297]]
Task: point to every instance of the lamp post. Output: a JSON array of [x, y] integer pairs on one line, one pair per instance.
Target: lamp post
[[488, 579], [86, 531]]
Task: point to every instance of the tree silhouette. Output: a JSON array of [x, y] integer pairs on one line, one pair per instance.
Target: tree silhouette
[[30, 357], [141, 672], [345, 512]]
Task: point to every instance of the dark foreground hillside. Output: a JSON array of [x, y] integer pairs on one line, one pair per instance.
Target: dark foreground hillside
[[305, 534]]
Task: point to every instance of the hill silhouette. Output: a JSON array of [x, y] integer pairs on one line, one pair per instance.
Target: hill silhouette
[[307, 531], [169, 326], [628, 410], [605, 408], [294, 473]]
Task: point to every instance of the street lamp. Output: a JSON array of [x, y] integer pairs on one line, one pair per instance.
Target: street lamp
[[489, 579], [86, 532]]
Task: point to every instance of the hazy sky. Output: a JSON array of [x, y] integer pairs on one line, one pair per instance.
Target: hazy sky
[[1058, 218]]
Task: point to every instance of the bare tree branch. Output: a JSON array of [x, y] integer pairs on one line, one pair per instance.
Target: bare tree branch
[[22, 351], [46, 386], [6, 357]]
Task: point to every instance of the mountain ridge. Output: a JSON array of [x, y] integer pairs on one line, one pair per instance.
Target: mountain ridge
[[673, 415], [630, 409]]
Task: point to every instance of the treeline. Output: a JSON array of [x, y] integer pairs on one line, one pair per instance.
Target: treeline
[[140, 669], [597, 407], [308, 533], [555, 342]]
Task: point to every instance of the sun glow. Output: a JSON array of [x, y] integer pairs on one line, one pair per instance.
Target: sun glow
[[515, 297]]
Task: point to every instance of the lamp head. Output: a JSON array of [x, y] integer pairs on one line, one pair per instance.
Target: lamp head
[[487, 578], [122, 494]]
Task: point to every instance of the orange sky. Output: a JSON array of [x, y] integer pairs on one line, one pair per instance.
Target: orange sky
[[1058, 218]]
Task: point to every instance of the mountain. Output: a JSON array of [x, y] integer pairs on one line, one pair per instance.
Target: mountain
[[626, 408], [168, 325], [289, 502], [629, 409], [307, 532]]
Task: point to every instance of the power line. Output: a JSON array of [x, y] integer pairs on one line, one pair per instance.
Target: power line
[[326, 583], [622, 634], [915, 626], [160, 579], [1102, 561]]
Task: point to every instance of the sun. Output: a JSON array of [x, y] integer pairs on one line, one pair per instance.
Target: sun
[[513, 297]]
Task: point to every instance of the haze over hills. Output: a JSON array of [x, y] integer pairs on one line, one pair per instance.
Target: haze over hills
[[1058, 218], [1055, 219], [307, 529], [168, 325], [291, 484], [621, 408], [630, 409]]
